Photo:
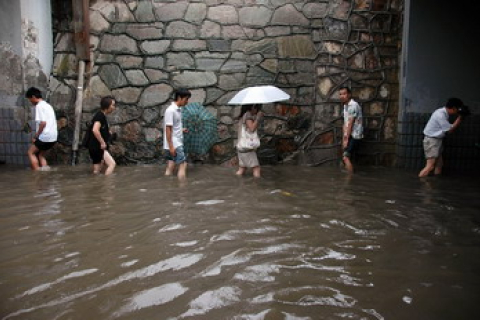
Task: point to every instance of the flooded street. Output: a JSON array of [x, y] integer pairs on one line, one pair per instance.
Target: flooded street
[[300, 243]]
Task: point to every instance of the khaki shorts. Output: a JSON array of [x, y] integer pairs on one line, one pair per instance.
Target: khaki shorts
[[432, 147]]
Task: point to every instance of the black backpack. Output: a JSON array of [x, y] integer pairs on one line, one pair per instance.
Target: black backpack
[[87, 136]]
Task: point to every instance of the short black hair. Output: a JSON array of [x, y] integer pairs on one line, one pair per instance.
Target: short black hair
[[181, 93], [454, 103], [345, 88], [248, 107], [33, 92], [106, 102]]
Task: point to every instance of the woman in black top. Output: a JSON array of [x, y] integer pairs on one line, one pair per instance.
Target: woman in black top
[[100, 136]]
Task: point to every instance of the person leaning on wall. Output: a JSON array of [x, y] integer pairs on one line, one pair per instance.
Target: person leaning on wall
[[438, 126]]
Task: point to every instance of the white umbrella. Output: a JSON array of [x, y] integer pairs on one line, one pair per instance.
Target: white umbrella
[[259, 94]]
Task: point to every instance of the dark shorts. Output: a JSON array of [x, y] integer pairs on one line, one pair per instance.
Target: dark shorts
[[96, 155], [43, 146], [351, 147], [179, 156]]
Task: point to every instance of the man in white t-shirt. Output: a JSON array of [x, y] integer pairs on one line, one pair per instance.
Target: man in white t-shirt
[[45, 130], [352, 127], [173, 134]]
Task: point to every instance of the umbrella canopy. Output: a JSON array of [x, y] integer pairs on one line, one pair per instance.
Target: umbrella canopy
[[202, 129], [259, 94]]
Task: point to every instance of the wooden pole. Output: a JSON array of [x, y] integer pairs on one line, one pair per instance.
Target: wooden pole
[[81, 24]]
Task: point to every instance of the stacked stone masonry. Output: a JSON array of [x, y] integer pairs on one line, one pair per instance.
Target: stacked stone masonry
[[143, 50]]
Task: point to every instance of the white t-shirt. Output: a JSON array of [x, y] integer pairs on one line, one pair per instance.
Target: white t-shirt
[[353, 110], [173, 117], [438, 124], [44, 112]]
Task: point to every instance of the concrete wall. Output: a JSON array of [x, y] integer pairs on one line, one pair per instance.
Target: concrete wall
[[38, 13], [440, 61], [10, 25], [26, 52]]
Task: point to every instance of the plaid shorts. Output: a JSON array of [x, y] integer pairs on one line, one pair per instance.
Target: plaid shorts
[[180, 156]]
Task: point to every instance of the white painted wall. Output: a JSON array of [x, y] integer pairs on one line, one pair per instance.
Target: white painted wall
[[39, 13], [10, 25]]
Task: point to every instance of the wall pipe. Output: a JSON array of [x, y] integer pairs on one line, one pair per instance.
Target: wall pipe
[[78, 111], [82, 45]]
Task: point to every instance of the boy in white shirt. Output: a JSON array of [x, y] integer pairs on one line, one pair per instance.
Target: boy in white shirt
[[352, 127], [173, 135], [45, 130]]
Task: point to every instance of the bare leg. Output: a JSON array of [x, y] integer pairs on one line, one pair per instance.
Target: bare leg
[[32, 156], [438, 166], [109, 162], [97, 168], [241, 171], [348, 164], [182, 171], [256, 172], [428, 167], [41, 158], [170, 168]]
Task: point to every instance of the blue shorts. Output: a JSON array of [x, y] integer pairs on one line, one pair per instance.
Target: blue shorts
[[179, 155], [351, 147]]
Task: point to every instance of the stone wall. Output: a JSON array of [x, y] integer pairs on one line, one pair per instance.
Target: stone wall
[[143, 50]]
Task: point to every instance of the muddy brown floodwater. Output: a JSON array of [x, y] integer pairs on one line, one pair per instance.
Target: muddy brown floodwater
[[300, 243]]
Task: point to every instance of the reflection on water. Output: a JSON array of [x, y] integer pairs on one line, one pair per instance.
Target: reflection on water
[[300, 243]]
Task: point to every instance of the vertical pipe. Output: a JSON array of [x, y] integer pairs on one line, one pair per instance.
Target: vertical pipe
[[78, 111], [82, 47]]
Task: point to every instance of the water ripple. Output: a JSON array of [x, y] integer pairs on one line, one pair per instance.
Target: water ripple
[[214, 299], [153, 297]]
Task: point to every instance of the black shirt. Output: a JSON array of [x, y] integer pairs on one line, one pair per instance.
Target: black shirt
[[104, 131]]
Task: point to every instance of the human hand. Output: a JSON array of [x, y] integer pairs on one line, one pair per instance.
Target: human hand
[[464, 111], [185, 130], [173, 153], [103, 146], [260, 115], [345, 142]]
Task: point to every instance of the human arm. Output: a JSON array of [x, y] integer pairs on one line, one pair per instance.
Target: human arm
[[40, 118], [253, 123], [347, 132], [353, 111], [456, 123], [41, 126], [168, 133], [98, 135]]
